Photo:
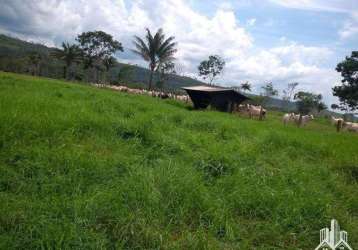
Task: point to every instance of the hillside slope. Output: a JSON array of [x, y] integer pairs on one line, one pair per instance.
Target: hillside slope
[[10, 46], [88, 168], [13, 53]]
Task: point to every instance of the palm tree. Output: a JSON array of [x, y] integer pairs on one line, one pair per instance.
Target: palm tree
[[69, 54], [246, 86], [155, 50]]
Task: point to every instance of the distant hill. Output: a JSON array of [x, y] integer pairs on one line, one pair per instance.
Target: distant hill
[[14, 47], [140, 75], [279, 104], [13, 54]]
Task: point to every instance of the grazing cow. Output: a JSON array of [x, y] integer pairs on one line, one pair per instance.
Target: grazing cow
[[257, 111], [288, 118], [350, 126], [163, 95], [243, 109], [297, 119], [123, 88], [303, 119], [184, 98], [159, 94], [134, 91], [337, 122]]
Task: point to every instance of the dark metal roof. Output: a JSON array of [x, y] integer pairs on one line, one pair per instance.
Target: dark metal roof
[[206, 88], [219, 97]]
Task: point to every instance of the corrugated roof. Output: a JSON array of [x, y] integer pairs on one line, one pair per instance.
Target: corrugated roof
[[206, 88]]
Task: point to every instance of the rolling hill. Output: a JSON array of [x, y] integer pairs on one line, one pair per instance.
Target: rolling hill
[[14, 51], [88, 168]]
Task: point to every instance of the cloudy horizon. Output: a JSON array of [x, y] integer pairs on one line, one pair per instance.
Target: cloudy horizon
[[279, 41]]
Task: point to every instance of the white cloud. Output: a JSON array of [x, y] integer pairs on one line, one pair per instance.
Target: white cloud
[[320, 5], [282, 65], [350, 27], [348, 7], [307, 55], [271, 65], [199, 36]]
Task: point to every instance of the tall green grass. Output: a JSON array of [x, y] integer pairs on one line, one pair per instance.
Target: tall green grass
[[86, 168]]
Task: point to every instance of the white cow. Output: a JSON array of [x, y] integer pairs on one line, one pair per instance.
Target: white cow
[[296, 119], [302, 120], [350, 126], [184, 98], [257, 111], [288, 118], [305, 119], [243, 109], [335, 121]]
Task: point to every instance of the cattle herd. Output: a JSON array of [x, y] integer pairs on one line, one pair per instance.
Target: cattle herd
[[250, 110], [339, 123], [299, 120], [153, 93]]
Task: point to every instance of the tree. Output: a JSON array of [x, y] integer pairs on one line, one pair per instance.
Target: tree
[[321, 106], [348, 91], [288, 93], [165, 70], [209, 69], [97, 45], [108, 63], [307, 102], [179, 69], [246, 86], [34, 59], [155, 50], [126, 73], [69, 54], [268, 91], [335, 106]]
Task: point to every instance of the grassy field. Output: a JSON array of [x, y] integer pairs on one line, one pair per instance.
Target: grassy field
[[88, 168]]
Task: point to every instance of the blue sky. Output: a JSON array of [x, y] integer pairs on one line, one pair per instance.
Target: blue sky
[[262, 41], [309, 26]]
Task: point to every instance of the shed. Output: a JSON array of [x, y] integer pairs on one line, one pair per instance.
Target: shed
[[223, 99]]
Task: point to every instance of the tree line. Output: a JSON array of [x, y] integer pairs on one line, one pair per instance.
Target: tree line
[[306, 101]]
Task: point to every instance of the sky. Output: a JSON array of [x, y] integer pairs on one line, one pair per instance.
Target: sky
[[278, 41]]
